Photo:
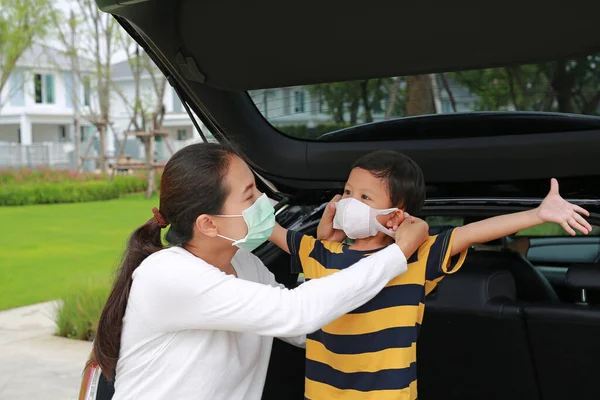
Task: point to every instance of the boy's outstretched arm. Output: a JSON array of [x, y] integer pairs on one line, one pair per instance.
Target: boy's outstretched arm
[[553, 209]]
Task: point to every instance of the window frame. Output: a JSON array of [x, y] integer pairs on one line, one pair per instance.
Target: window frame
[[46, 96]]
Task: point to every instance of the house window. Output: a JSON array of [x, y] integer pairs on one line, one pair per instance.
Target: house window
[[62, 133], [44, 88], [322, 103], [17, 92], [299, 101], [87, 89], [182, 134], [85, 132]]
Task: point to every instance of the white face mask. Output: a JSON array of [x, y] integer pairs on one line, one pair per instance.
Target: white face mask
[[358, 220]]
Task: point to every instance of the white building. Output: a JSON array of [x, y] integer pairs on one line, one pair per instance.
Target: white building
[[37, 105]]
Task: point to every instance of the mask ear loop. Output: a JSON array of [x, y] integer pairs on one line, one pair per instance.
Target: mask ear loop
[[380, 226], [225, 237]]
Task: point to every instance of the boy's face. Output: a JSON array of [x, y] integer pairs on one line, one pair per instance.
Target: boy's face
[[372, 191]]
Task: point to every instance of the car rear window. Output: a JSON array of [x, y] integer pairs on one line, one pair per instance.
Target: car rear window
[[309, 112], [440, 223]]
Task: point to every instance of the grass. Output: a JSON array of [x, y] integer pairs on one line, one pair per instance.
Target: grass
[[78, 316], [48, 250]]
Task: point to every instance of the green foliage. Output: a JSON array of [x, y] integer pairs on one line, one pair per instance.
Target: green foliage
[[26, 187], [21, 23], [568, 86], [349, 102], [79, 312]]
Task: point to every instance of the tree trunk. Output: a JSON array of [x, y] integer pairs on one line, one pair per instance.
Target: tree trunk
[[338, 115], [102, 146], [511, 88], [449, 91], [393, 97], [150, 165], [419, 96], [563, 88], [364, 93], [354, 111], [74, 87]]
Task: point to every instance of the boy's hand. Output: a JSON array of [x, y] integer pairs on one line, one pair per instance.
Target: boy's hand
[[325, 229], [411, 234], [556, 209]]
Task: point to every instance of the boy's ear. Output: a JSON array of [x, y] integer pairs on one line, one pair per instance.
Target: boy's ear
[[396, 219]]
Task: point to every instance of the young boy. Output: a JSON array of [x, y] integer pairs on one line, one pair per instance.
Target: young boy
[[370, 353]]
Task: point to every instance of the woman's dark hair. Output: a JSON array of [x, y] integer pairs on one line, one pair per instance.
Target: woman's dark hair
[[403, 177], [192, 184]]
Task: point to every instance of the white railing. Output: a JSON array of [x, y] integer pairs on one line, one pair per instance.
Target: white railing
[[60, 155], [47, 154]]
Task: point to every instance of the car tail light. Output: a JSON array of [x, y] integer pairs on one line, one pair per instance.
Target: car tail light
[[89, 383]]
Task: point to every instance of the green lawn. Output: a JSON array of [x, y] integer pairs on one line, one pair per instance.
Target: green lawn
[[50, 250]]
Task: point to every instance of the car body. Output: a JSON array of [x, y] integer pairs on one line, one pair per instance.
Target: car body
[[476, 164]]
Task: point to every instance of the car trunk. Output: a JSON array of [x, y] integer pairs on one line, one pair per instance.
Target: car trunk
[[213, 52]]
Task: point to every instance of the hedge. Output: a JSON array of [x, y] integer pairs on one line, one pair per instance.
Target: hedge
[[20, 194]]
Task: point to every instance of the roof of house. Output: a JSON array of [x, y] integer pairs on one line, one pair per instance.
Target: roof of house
[[42, 56]]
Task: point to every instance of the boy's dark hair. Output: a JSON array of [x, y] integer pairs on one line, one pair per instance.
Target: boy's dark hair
[[403, 177]]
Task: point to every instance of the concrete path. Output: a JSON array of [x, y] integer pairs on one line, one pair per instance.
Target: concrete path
[[35, 364]]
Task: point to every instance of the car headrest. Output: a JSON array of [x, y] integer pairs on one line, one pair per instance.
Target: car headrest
[[584, 276], [475, 289]]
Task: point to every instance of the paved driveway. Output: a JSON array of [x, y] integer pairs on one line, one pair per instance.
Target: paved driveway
[[34, 364]]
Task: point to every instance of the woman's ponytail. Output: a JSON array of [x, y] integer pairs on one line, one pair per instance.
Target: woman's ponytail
[[143, 242], [192, 184]]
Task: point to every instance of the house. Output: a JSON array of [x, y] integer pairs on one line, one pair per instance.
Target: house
[[36, 108]]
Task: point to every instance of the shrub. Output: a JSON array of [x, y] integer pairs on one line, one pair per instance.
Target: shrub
[[19, 194], [47, 175], [77, 317]]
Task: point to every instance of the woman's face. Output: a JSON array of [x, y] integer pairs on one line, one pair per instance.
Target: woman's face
[[242, 194]]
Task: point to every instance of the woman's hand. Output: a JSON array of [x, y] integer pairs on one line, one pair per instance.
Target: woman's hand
[[411, 234], [325, 229]]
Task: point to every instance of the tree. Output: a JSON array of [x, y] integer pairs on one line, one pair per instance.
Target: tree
[[98, 34], [146, 110], [69, 39], [568, 86], [353, 100], [419, 95], [22, 22]]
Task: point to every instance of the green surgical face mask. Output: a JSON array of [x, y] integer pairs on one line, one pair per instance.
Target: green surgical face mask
[[260, 218]]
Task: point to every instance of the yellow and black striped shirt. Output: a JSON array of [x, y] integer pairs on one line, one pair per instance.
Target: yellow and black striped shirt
[[370, 353]]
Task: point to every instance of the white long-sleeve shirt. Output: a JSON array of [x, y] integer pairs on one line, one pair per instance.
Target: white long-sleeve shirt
[[192, 332]]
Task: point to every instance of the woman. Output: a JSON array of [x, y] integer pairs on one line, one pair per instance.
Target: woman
[[196, 320]]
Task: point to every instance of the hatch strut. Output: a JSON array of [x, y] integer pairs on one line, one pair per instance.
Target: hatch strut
[[187, 109]]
